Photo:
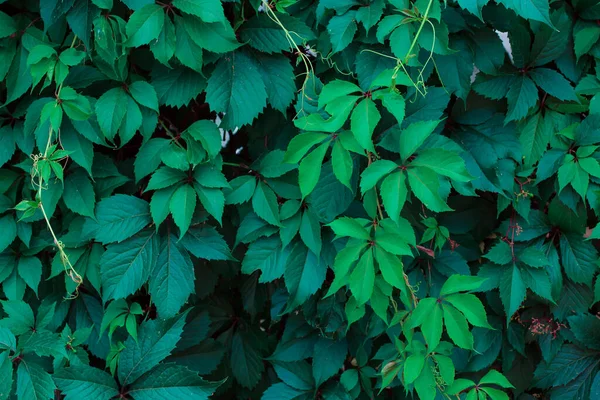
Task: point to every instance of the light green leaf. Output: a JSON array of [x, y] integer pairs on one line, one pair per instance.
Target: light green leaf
[[443, 162], [393, 194], [457, 327], [362, 279], [309, 170], [424, 183], [414, 136], [363, 121], [341, 29]]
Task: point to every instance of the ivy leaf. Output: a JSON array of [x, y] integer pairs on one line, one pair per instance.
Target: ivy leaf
[[304, 274], [521, 96], [143, 93], [172, 280], [127, 265], [328, 358], [414, 136], [363, 121], [182, 206], [537, 10], [217, 37], [156, 340], [341, 30], [362, 279], [213, 200], [33, 382], [178, 86], [473, 6], [110, 111], [264, 203], [310, 168], [585, 39], [120, 217], [578, 258], [82, 381], [246, 361], [424, 183], [7, 25], [554, 84], [207, 10], [78, 194], [236, 88], [443, 162], [145, 25], [512, 290]]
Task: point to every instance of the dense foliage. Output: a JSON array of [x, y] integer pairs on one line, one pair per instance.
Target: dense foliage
[[299, 199]]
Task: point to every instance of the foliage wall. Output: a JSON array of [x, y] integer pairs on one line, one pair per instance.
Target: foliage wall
[[299, 199]]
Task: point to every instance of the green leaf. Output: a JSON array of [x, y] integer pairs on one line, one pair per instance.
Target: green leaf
[[521, 96], [494, 377], [9, 231], [182, 206], [212, 200], [471, 307], [413, 367], [7, 25], [457, 328], [145, 25], [585, 39], [473, 6], [336, 89], [156, 340], [328, 358], [178, 86], [554, 84], [362, 279], [304, 274], [206, 243], [33, 382], [512, 290], [370, 14], [444, 163], [163, 48], [537, 10], [110, 111], [342, 163], [310, 232], [414, 136], [393, 194], [578, 258], [264, 203], [266, 255], [207, 10], [246, 362], [363, 121], [391, 268], [186, 49], [82, 381], [149, 157], [310, 169], [172, 280], [217, 37], [143, 93], [126, 266], [278, 76], [349, 227], [341, 29], [78, 194], [120, 217], [236, 88], [460, 283], [424, 183], [30, 270], [374, 172]]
